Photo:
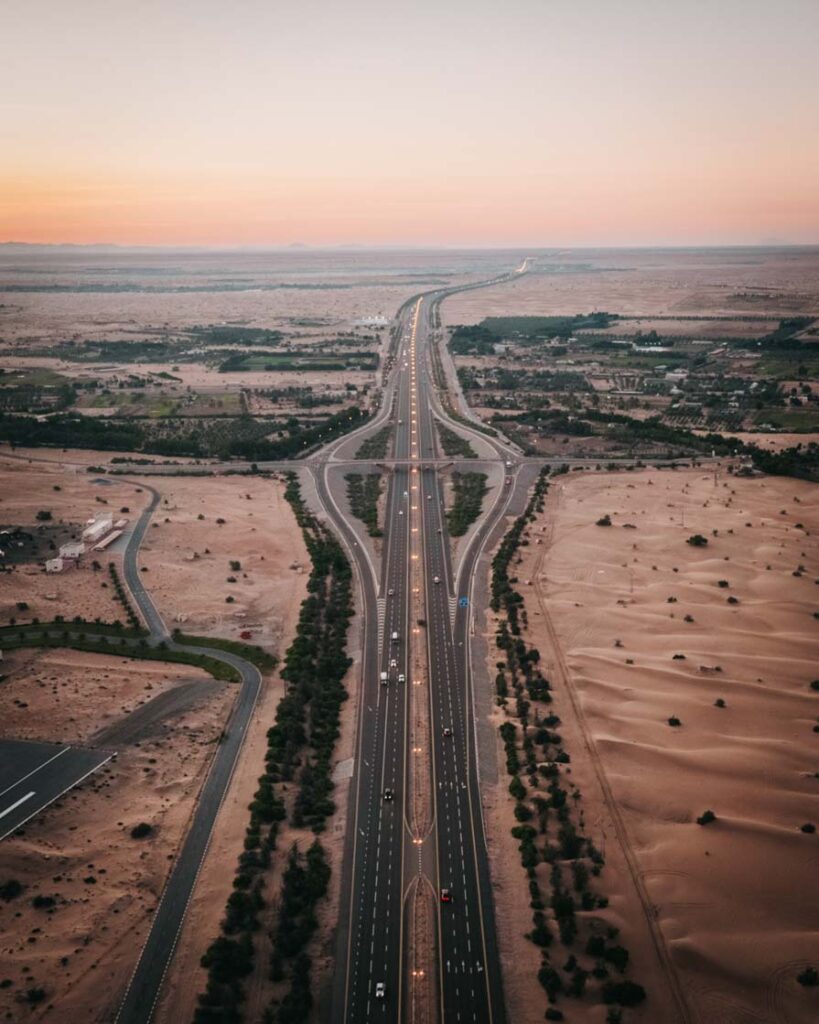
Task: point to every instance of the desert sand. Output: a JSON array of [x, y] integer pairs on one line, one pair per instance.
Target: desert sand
[[186, 978], [187, 558], [609, 609], [651, 282], [72, 496], [80, 852]]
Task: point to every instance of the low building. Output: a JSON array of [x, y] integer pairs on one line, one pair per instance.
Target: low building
[[72, 550], [97, 529], [54, 565]]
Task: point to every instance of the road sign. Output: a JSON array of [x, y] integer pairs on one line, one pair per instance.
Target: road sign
[[463, 602]]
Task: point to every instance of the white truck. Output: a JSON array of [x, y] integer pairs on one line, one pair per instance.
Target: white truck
[[384, 678]]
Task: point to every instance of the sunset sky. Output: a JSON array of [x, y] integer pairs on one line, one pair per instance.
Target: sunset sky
[[453, 122]]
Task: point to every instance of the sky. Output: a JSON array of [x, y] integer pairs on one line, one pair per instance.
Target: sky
[[434, 122]]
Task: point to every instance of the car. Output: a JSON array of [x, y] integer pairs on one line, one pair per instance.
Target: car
[[447, 731], [401, 677], [429, 497], [446, 896], [400, 511], [391, 592], [436, 579], [388, 794], [394, 637], [393, 663], [380, 990], [440, 530]]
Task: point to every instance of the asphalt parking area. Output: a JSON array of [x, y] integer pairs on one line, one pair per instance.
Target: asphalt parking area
[[33, 775]]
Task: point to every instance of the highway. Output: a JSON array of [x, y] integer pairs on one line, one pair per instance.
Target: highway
[[383, 854], [387, 853]]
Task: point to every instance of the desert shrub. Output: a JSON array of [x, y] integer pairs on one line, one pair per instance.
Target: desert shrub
[[141, 830], [626, 993], [10, 890], [697, 540], [706, 818]]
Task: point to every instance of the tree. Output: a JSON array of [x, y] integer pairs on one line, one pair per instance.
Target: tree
[[809, 977], [697, 541], [706, 818], [43, 516], [10, 890], [626, 993], [604, 520]]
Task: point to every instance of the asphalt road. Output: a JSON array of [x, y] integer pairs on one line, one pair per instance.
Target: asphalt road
[[381, 858], [375, 873], [139, 1002], [33, 775]]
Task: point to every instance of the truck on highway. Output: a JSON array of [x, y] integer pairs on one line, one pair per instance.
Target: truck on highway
[[384, 678]]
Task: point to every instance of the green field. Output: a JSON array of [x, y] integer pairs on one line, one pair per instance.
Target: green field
[[804, 419], [159, 406]]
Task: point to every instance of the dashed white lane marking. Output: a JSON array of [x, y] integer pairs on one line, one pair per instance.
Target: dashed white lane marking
[[16, 804]]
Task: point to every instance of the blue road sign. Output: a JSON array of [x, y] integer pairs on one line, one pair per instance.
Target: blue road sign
[[463, 601]]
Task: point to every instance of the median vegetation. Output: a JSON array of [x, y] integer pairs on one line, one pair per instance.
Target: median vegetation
[[551, 827], [376, 446], [296, 784], [469, 490], [363, 492], [454, 444]]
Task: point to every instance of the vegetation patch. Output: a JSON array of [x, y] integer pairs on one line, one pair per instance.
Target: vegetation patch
[[296, 783], [363, 492], [469, 490], [262, 659], [454, 444], [548, 807], [376, 446]]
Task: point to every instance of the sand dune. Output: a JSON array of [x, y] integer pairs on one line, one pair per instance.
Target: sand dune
[[736, 899]]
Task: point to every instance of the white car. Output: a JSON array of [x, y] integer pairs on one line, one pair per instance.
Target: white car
[[380, 990], [401, 677]]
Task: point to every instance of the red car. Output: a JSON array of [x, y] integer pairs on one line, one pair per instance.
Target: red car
[[446, 896]]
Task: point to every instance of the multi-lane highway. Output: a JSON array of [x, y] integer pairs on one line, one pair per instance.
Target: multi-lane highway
[[393, 851]]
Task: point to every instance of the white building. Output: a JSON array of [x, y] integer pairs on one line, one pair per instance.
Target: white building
[[54, 565], [72, 550], [98, 529]]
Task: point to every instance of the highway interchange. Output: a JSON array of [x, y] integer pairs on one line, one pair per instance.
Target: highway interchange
[[414, 826], [373, 944], [390, 855]]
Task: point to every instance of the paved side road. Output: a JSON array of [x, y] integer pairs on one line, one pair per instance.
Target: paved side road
[[144, 988]]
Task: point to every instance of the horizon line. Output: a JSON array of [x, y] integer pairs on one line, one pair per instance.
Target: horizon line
[[397, 246]]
